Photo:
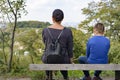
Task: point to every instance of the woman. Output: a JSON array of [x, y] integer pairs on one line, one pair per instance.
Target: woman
[[65, 40]]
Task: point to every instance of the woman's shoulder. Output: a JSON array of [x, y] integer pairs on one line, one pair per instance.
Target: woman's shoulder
[[44, 29], [67, 29]]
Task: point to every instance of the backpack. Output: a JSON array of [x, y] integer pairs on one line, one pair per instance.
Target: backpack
[[54, 50]]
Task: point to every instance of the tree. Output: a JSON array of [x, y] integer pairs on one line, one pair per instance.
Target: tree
[[106, 12], [12, 9], [31, 41]]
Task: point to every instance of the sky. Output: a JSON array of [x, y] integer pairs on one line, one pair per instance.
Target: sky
[[41, 10]]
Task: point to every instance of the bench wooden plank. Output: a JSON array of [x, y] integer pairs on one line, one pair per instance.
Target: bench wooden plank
[[74, 67]]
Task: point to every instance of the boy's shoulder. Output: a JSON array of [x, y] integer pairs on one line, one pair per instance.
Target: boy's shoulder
[[91, 38], [100, 37]]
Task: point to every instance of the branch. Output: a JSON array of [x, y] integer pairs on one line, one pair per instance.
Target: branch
[[11, 7], [9, 18]]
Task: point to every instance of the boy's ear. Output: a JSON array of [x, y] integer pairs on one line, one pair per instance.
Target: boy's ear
[[94, 30]]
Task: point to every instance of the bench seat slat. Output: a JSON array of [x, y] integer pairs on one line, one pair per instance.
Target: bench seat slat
[[74, 67]]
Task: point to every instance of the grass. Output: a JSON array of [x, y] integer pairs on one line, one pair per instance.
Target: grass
[[37, 75], [78, 74]]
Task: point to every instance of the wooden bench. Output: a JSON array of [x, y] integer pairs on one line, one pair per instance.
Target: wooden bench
[[115, 67]]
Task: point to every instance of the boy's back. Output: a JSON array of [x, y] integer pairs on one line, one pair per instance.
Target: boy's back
[[97, 50]]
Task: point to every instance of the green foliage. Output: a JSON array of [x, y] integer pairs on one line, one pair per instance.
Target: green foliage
[[30, 40], [12, 8], [3, 66], [32, 24], [107, 12], [79, 39], [114, 53], [37, 75]]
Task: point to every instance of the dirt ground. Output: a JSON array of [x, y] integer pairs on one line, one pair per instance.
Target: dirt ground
[[41, 79]]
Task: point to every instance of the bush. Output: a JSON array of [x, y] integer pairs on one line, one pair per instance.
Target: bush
[[114, 53]]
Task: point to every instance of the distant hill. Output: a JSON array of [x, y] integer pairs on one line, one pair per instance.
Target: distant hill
[[71, 24], [39, 24], [32, 24]]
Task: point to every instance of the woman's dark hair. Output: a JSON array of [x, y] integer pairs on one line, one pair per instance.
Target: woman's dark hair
[[58, 15], [99, 27]]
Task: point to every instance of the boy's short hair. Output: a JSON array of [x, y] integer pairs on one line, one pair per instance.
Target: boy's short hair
[[99, 27]]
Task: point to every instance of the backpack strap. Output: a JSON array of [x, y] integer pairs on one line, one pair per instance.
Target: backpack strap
[[50, 33], [60, 34], [52, 36]]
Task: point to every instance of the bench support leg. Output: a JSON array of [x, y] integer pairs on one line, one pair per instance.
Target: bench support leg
[[117, 75], [50, 75]]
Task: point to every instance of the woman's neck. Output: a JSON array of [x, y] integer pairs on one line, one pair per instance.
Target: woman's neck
[[56, 25]]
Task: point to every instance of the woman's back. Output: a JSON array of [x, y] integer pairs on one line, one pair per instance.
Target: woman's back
[[65, 40]]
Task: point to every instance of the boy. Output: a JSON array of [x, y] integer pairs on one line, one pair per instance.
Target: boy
[[97, 51]]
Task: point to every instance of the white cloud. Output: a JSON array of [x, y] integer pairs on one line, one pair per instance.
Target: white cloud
[[35, 4], [42, 9]]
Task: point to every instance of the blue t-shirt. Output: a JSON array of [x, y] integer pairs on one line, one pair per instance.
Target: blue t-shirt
[[97, 50]]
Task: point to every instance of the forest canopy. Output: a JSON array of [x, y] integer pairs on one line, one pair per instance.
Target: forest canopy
[[32, 24]]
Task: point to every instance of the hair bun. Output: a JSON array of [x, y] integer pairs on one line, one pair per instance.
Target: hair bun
[[58, 15]]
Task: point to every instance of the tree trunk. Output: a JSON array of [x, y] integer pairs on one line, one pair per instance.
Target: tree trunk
[[12, 45]]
